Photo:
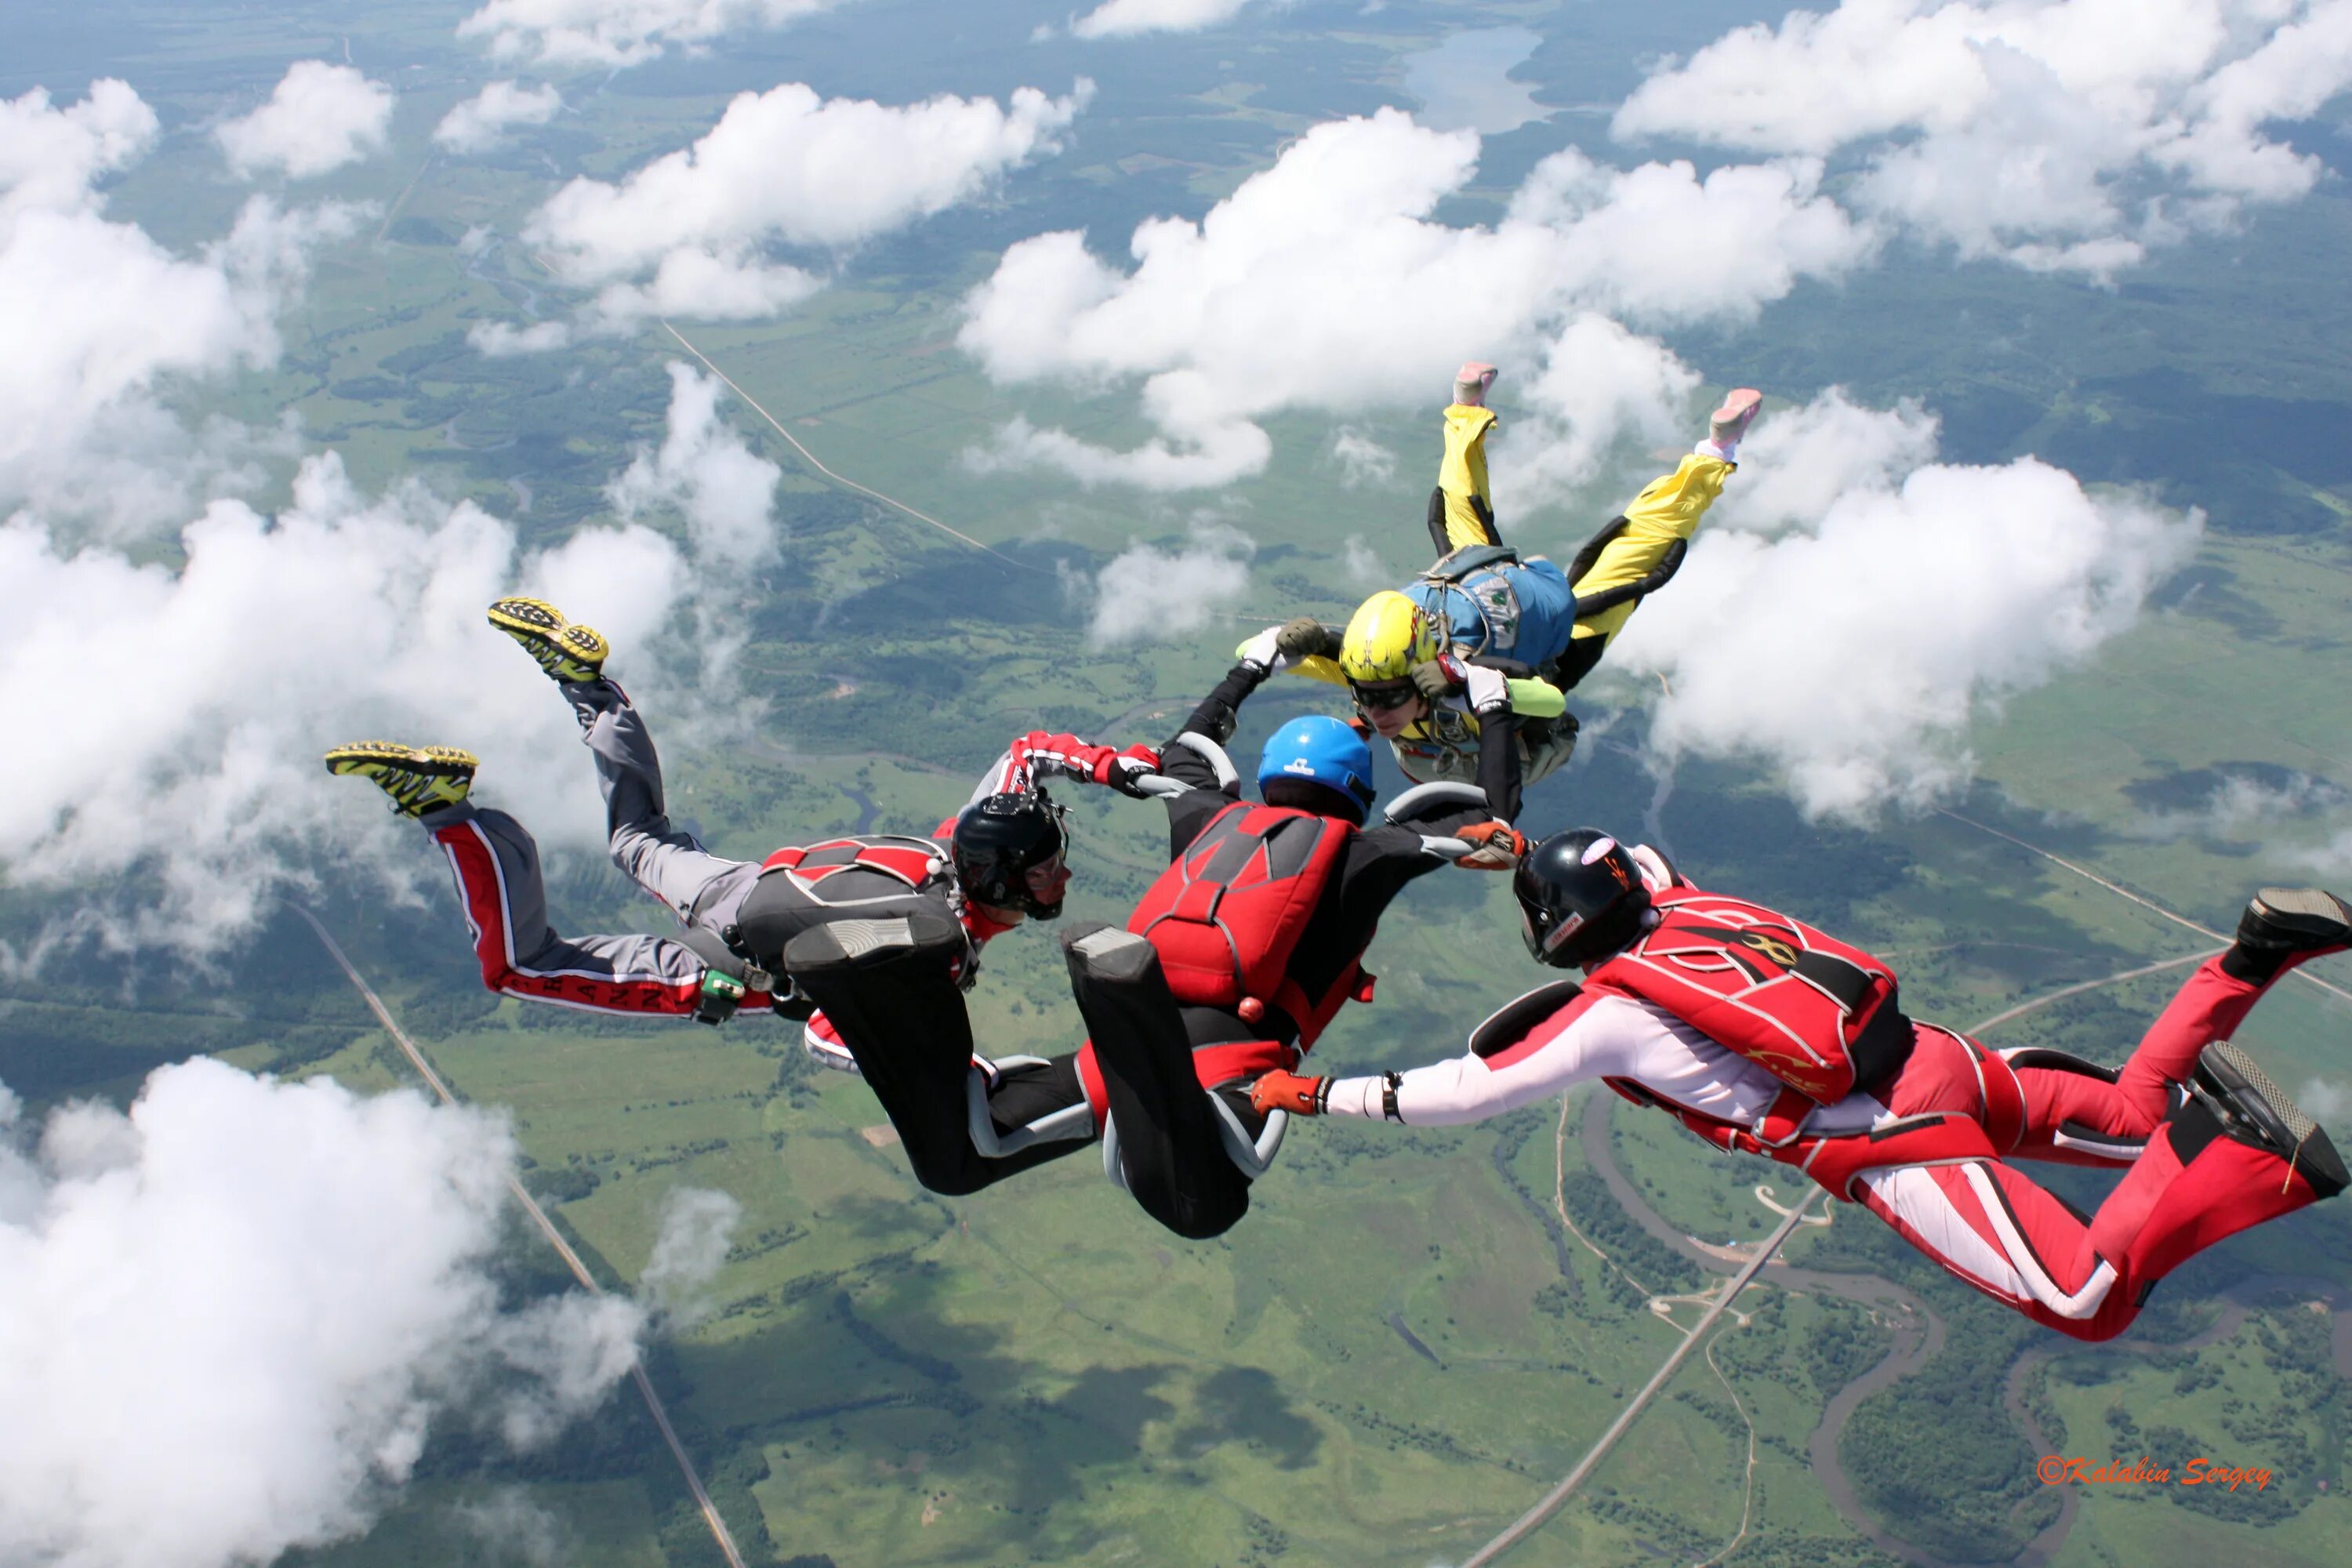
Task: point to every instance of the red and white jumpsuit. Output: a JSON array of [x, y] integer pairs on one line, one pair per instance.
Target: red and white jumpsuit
[[1947, 1185]]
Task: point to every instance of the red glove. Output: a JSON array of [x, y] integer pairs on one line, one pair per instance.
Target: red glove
[[1494, 847], [1121, 769], [1280, 1091]]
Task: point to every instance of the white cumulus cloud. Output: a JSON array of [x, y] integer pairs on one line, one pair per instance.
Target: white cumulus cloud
[[229, 1318], [504, 340], [187, 801], [98, 316], [703, 470], [620, 31], [475, 123], [320, 117], [690, 233], [696, 1228], [1325, 282], [2059, 135], [1146, 594], [1362, 459], [1850, 646], [51, 159], [1127, 18], [338, 619]]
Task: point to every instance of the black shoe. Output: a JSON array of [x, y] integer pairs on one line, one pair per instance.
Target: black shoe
[[2257, 1112], [2281, 923]]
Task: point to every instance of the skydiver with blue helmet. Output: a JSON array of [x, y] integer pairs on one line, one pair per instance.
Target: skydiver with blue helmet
[[1232, 965], [1465, 671]]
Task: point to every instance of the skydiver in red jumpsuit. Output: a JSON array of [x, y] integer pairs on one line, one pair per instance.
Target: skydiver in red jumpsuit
[[1765, 1037]]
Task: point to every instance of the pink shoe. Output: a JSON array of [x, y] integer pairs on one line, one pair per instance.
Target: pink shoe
[[1730, 422], [1471, 381]]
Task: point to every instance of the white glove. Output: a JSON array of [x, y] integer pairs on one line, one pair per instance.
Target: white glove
[[1485, 690], [1263, 652]]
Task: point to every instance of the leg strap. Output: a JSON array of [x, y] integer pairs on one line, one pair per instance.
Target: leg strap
[[1164, 1139], [1072, 1121]]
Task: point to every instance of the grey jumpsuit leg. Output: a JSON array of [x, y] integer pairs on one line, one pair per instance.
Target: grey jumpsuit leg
[[505, 893]]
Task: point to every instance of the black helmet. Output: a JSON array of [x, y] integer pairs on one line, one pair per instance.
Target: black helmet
[[998, 841], [1580, 898]]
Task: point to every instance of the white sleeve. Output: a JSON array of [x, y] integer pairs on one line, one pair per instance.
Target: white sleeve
[[1592, 1038], [1468, 1088]]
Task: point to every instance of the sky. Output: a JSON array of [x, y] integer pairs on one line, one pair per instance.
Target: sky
[[180, 645]]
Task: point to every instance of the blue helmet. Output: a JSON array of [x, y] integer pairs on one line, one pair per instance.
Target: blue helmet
[[1316, 748]]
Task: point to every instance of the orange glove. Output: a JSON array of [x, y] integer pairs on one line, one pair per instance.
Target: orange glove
[[1280, 1091], [1494, 847]]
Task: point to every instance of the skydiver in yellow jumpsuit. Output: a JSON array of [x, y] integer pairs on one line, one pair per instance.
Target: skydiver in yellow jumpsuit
[[1488, 641]]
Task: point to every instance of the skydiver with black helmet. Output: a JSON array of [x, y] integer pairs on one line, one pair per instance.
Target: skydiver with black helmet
[[1464, 671], [1763, 1036], [1000, 859], [1233, 963]]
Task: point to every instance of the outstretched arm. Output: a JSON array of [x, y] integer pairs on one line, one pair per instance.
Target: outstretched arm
[[1039, 757], [1546, 1042], [1212, 721]]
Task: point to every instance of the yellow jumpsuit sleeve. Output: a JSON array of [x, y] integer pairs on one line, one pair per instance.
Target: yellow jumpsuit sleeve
[[1670, 507], [1536, 698], [1320, 669], [1462, 476]]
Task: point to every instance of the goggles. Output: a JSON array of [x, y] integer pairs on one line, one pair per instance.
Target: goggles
[[1393, 694]]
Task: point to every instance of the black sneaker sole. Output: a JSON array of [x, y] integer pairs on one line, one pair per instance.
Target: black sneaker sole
[[2258, 1106], [2296, 919], [864, 944]]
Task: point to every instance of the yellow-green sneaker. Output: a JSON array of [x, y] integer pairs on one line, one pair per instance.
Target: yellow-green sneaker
[[418, 778], [566, 651]]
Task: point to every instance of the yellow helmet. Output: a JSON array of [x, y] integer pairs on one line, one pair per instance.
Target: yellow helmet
[[1387, 637]]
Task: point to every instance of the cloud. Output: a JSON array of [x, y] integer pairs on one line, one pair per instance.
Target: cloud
[[1853, 648], [98, 316], [1127, 18], [181, 803], [504, 340], [705, 472], [510, 1527], [704, 475], [1201, 458], [1362, 459], [688, 233], [1597, 386], [2325, 1100], [2058, 135], [1146, 594], [475, 123], [2235, 796], [229, 1318], [51, 159], [1325, 282], [697, 1228], [1362, 563], [197, 795], [320, 117], [620, 32]]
